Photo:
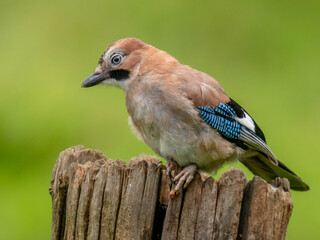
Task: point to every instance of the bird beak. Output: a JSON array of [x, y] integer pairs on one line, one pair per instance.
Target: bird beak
[[95, 79]]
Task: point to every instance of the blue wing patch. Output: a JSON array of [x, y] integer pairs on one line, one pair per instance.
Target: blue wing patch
[[225, 120], [222, 118]]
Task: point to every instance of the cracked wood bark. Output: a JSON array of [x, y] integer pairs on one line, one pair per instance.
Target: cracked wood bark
[[231, 186], [94, 198], [96, 202], [190, 208], [207, 210], [85, 199], [266, 210], [111, 201]]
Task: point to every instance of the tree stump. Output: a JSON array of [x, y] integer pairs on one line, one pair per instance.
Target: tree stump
[[95, 198]]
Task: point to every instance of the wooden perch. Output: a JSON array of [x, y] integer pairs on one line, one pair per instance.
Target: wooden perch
[[95, 198]]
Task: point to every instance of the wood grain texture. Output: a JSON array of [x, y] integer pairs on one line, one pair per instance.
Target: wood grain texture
[[266, 210], [207, 210], [95, 198], [172, 218], [149, 200], [190, 207], [96, 202], [111, 200], [231, 186], [85, 199]]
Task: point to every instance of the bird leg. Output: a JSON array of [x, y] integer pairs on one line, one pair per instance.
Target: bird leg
[[184, 178], [171, 166]]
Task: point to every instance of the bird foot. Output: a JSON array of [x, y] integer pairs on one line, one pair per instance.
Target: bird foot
[[183, 178]]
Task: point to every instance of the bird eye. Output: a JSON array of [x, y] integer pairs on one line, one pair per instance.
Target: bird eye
[[116, 59]]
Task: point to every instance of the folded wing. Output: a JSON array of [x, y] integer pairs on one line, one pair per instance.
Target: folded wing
[[235, 124]]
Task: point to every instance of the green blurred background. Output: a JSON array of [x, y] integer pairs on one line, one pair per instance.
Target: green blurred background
[[264, 53]]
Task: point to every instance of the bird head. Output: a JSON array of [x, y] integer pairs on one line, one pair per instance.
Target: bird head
[[118, 64], [125, 61]]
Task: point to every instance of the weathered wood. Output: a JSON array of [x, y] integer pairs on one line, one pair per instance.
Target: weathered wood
[[231, 186], [61, 174], [189, 211], [266, 210], [94, 198], [207, 210], [149, 200], [111, 201], [162, 204], [96, 202], [172, 218], [85, 199], [77, 174], [132, 192]]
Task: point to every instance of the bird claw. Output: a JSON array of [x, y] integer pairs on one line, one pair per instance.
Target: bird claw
[[184, 178], [172, 194]]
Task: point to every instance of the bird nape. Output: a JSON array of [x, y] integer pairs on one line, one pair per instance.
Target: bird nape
[[184, 115]]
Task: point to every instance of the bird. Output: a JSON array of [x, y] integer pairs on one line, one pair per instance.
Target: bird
[[184, 115]]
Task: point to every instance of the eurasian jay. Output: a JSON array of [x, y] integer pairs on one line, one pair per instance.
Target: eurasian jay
[[184, 115]]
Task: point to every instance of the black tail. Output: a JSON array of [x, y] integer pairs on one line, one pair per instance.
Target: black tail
[[261, 166]]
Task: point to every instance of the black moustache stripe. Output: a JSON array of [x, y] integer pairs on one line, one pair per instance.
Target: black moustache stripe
[[119, 75]]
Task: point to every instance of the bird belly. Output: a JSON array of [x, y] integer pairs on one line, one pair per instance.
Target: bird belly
[[186, 145]]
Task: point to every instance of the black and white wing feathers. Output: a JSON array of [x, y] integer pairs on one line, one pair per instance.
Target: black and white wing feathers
[[236, 125]]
